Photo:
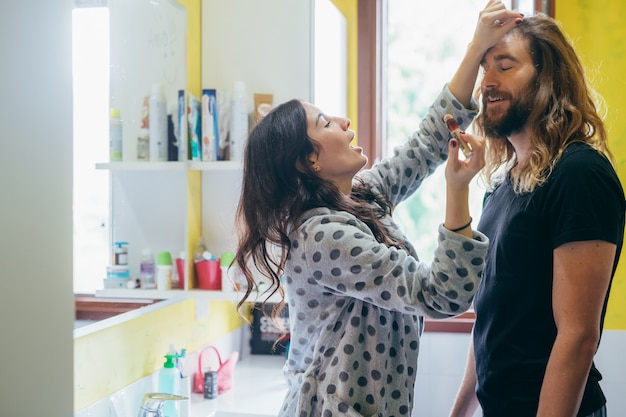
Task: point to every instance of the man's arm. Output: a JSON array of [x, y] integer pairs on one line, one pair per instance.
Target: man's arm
[[582, 272]]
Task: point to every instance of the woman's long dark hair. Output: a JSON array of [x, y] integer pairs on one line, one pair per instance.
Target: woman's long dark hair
[[279, 185]]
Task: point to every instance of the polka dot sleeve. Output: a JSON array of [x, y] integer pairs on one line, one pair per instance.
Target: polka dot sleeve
[[400, 175], [335, 253]]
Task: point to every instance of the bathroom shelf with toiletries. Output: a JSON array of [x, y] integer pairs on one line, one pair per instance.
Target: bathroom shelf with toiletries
[[162, 206]]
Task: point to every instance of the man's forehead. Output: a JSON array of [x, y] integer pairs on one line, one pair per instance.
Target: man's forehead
[[513, 44]]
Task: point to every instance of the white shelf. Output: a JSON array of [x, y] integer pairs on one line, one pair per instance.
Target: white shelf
[[143, 166], [195, 293], [139, 293], [171, 166]]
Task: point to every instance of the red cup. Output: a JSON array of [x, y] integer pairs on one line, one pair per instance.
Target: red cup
[[209, 274], [180, 268]]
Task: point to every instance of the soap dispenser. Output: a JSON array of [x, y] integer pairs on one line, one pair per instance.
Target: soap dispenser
[[169, 383]]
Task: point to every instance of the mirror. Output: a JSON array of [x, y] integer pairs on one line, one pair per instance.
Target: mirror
[[119, 52]]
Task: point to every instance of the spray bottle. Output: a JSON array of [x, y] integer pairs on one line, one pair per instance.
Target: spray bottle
[[157, 124], [238, 122], [115, 135]]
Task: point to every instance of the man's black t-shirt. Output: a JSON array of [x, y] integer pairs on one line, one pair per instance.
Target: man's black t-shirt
[[515, 330]]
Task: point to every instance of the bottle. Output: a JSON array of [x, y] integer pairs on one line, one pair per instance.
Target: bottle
[[115, 135], [169, 383], [147, 269], [164, 271], [180, 269], [157, 124], [143, 145], [238, 121], [120, 253], [200, 249], [228, 271], [210, 384]]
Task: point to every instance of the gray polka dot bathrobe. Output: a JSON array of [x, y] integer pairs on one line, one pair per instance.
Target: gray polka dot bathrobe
[[356, 306]]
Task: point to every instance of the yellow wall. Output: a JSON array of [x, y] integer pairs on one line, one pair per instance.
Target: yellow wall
[[194, 86], [349, 9], [599, 35]]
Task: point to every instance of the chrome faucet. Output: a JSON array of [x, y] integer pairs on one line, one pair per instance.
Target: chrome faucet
[[152, 403]]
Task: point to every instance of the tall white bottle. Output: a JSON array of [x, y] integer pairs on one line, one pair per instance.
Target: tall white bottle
[[157, 124], [115, 135], [238, 121]]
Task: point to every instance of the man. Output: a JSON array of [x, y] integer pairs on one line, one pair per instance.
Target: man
[[555, 219]]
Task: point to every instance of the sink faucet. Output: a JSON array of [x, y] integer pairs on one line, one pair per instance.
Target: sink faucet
[[152, 403]]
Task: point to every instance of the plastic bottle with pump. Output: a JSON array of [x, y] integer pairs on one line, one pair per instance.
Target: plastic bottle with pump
[[157, 124], [169, 382], [238, 121]]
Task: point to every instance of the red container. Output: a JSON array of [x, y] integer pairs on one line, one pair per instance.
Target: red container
[[209, 275], [180, 268]]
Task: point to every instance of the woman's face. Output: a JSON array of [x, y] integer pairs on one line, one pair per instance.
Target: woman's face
[[335, 159]]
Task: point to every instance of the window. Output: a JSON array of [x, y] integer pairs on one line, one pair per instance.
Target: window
[[425, 43], [422, 45], [90, 56]]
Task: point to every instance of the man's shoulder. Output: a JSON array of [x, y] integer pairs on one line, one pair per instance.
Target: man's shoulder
[[579, 157]]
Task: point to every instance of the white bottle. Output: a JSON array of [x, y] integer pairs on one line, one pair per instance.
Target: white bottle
[[164, 271], [147, 269], [157, 124], [115, 135], [238, 122]]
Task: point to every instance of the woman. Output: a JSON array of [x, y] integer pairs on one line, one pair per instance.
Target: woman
[[356, 289]]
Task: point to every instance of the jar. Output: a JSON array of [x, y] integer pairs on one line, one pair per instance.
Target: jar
[[120, 253]]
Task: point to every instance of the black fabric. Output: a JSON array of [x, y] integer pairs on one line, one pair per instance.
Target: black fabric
[[514, 330]]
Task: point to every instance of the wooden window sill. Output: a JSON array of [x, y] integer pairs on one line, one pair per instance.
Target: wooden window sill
[[88, 307], [463, 323]]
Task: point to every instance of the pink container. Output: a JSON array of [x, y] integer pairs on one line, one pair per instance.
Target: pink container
[[209, 275]]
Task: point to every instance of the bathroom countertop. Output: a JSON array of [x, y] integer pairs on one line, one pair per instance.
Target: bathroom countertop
[[258, 390]]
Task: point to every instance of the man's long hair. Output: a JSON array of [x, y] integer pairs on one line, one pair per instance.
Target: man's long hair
[[564, 110]]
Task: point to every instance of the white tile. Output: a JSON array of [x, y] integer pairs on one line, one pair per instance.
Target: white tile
[[610, 358], [435, 395], [446, 354], [615, 399]]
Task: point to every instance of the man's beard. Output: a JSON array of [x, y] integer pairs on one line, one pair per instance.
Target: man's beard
[[513, 120]]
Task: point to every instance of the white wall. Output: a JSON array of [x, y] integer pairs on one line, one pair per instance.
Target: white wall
[[266, 44], [442, 363], [269, 46], [36, 299]]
